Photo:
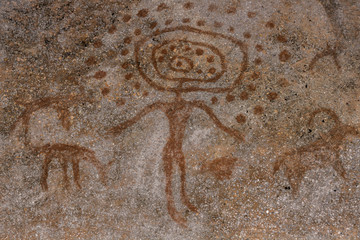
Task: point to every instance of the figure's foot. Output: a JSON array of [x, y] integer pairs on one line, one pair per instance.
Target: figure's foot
[[176, 216], [179, 219], [190, 206]]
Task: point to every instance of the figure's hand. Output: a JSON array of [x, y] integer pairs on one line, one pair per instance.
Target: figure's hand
[[114, 131], [238, 135]]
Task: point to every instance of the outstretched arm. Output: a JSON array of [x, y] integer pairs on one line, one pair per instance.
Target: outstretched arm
[[232, 132], [148, 109]]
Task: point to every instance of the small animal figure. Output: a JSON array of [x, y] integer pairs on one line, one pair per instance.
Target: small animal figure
[[69, 153], [320, 153]]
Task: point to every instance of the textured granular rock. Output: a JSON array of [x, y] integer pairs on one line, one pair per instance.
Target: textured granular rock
[[179, 119]]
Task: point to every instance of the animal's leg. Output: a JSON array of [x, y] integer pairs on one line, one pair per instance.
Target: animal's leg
[[338, 166], [90, 156], [75, 166], [26, 123], [45, 172], [184, 196], [168, 168], [64, 167], [294, 177]]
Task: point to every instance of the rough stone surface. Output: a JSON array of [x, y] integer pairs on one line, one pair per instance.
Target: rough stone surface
[[179, 119]]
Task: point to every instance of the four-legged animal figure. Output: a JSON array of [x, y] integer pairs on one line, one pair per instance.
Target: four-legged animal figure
[[320, 153], [69, 153]]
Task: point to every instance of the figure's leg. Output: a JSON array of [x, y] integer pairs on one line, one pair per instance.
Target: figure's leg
[[64, 167], [168, 168], [184, 196], [45, 172], [75, 166]]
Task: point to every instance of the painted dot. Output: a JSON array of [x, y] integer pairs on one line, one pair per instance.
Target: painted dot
[[153, 24], [145, 94], [161, 59], [210, 59], [270, 25], [168, 22], [97, 44], [218, 24], [128, 76], [244, 95], [112, 29], [258, 110], [259, 48], [120, 102], [127, 40], [251, 87], [161, 7], [251, 14], [188, 5], [111, 53], [231, 10], [90, 61], [126, 18], [281, 39], [186, 20], [124, 52], [199, 51], [100, 74], [164, 51], [187, 48], [247, 35], [172, 47], [137, 32], [241, 118], [258, 61], [284, 56], [212, 8], [179, 64], [200, 23], [199, 71], [283, 82], [255, 75], [143, 13], [214, 100], [272, 96], [212, 70], [230, 98], [231, 29], [105, 91], [125, 65], [137, 86]]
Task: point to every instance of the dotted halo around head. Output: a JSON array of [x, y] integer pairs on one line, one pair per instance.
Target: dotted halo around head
[[185, 59]]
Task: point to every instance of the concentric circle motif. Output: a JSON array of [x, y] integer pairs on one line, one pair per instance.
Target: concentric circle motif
[[186, 59]]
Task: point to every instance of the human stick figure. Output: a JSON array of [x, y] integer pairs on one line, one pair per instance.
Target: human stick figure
[[173, 61]]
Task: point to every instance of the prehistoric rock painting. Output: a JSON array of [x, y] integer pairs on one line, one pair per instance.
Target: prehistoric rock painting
[[320, 153], [221, 168], [66, 153], [326, 52], [185, 59], [60, 103]]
